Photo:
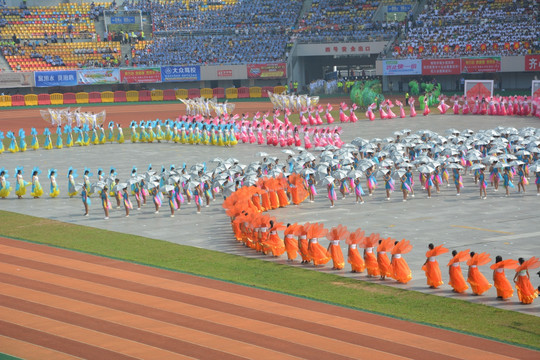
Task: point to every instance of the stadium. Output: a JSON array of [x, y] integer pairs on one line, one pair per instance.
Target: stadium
[[269, 179]]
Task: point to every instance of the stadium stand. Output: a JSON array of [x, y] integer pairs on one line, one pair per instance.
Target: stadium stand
[[342, 20], [225, 32], [450, 28], [59, 56]]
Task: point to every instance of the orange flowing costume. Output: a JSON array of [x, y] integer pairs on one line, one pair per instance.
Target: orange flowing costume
[[354, 258], [318, 253], [291, 244], [385, 268], [431, 267], [400, 269], [526, 292], [274, 244], [335, 235], [297, 188], [457, 281], [503, 286], [370, 259], [303, 244], [479, 283]]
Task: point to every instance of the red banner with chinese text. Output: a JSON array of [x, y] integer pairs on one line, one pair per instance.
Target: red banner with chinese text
[[481, 64], [441, 67]]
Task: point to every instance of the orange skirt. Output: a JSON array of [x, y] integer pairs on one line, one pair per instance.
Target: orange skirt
[[274, 200], [457, 281], [265, 198], [401, 271], [282, 196], [274, 245], [503, 286], [337, 257], [256, 200], [291, 246], [371, 264], [319, 254], [384, 265], [526, 292], [303, 249], [433, 274], [479, 283], [356, 261]]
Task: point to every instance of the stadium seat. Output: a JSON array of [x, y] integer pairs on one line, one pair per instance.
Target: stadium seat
[[255, 92], [219, 93], [30, 99], [231, 93], [243, 92], [194, 93], [169, 95], [17, 100], [133, 95], [120, 96], [265, 90], [94, 97], [107, 97], [181, 94], [279, 89], [44, 99], [145, 95], [5, 100], [70, 98], [157, 95], [57, 99], [207, 93], [81, 97]]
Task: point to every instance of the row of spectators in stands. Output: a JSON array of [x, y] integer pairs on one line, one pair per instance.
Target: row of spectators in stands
[[342, 20], [449, 28], [217, 49], [198, 17]]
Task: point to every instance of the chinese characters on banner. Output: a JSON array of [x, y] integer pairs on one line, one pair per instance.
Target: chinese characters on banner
[[481, 64], [146, 75], [441, 66], [181, 73], [402, 67], [350, 49], [55, 78], [532, 62], [267, 71]]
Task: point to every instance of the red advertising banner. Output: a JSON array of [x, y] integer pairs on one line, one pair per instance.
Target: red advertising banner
[[481, 64], [441, 67], [267, 71], [135, 76], [532, 62]]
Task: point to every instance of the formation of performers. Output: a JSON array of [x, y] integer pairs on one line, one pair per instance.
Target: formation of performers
[[382, 257]]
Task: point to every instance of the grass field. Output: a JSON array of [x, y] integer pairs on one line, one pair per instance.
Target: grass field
[[439, 311]]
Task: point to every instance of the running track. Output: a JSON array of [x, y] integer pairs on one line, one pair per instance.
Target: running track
[[60, 304]]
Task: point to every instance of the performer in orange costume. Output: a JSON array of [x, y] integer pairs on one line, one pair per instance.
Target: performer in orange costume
[[317, 252], [297, 188], [400, 269], [526, 292], [354, 258], [457, 281], [503, 286], [479, 283], [335, 235], [383, 262], [274, 244], [303, 244], [369, 257], [291, 244], [431, 266]]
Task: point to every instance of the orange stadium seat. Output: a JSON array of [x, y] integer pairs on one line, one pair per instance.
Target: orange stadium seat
[[120, 96], [107, 97], [94, 97], [70, 98], [157, 95], [5, 100], [169, 95], [30, 99], [145, 95], [194, 93], [57, 99], [231, 93], [181, 94], [133, 95], [255, 92], [82, 97], [44, 99], [243, 92], [265, 90], [207, 93], [219, 93]]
